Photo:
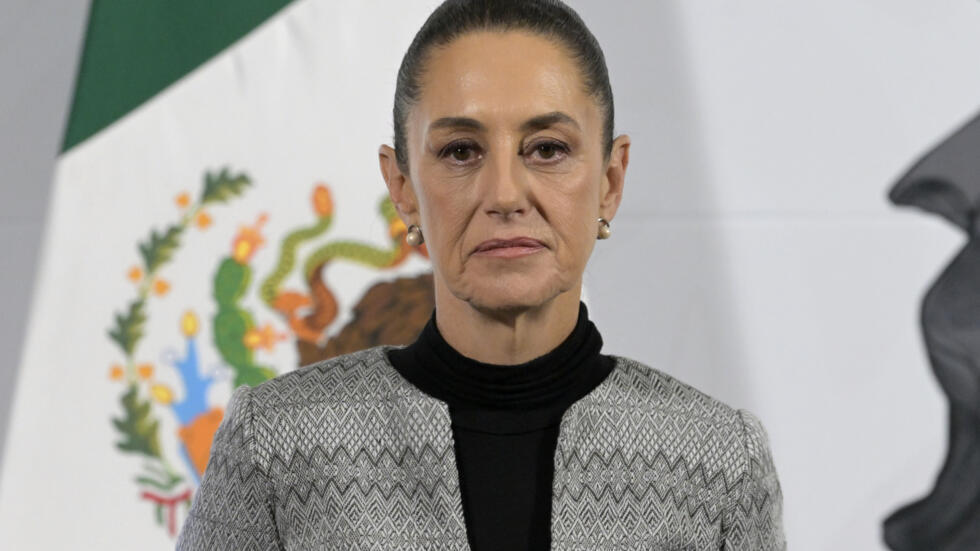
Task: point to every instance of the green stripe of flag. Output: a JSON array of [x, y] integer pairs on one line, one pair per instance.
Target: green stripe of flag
[[136, 48]]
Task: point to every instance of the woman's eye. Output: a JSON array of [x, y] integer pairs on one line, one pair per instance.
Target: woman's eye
[[460, 152], [548, 150]]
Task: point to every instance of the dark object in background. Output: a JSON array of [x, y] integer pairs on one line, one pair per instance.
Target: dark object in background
[[947, 182]]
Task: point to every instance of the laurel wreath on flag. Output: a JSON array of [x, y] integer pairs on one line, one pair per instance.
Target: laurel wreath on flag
[[236, 336], [137, 426]]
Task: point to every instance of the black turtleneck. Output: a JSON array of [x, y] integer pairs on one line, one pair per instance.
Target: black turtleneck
[[505, 421]]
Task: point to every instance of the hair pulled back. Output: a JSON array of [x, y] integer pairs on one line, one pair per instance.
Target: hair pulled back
[[551, 19]]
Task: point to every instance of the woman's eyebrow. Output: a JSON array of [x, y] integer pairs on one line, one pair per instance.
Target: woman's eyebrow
[[538, 122], [548, 119], [457, 122]]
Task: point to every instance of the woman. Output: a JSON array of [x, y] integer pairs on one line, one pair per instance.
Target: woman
[[502, 426]]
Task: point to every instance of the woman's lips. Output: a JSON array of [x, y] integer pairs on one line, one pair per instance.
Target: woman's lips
[[509, 248]]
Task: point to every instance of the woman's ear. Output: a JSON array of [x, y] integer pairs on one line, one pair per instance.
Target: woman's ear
[[614, 177], [399, 186]]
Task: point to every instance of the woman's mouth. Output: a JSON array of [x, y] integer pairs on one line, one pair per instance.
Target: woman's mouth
[[509, 248]]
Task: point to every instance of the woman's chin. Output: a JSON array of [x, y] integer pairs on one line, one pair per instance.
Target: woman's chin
[[504, 295]]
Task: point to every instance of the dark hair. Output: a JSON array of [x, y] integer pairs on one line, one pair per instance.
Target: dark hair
[[548, 18]]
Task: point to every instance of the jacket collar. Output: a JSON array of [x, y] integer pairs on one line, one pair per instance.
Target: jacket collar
[[580, 416]]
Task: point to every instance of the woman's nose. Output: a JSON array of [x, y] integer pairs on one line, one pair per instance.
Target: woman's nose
[[505, 186]]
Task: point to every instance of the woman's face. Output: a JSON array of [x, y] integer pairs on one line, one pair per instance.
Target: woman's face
[[505, 143]]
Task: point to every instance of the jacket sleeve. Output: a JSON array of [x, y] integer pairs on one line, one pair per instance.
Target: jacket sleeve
[[232, 509], [754, 520]]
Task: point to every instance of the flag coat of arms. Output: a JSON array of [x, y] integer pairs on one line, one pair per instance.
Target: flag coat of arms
[[218, 218]]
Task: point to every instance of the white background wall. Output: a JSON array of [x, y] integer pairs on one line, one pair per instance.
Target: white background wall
[[39, 44], [755, 255]]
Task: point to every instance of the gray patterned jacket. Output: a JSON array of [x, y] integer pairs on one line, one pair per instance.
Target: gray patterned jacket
[[346, 454]]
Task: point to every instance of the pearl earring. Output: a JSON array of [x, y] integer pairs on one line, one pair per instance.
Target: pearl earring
[[604, 231], [414, 236]]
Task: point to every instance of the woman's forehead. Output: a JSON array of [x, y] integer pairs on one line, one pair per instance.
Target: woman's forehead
[[501, 76]]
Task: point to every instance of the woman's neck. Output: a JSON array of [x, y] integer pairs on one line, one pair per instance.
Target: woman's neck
[[506, 338]]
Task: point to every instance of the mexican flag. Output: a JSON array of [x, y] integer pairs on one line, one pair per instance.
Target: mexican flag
[[218, 218]]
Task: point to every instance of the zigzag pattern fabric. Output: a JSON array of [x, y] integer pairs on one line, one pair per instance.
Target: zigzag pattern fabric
[[346, 454]]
